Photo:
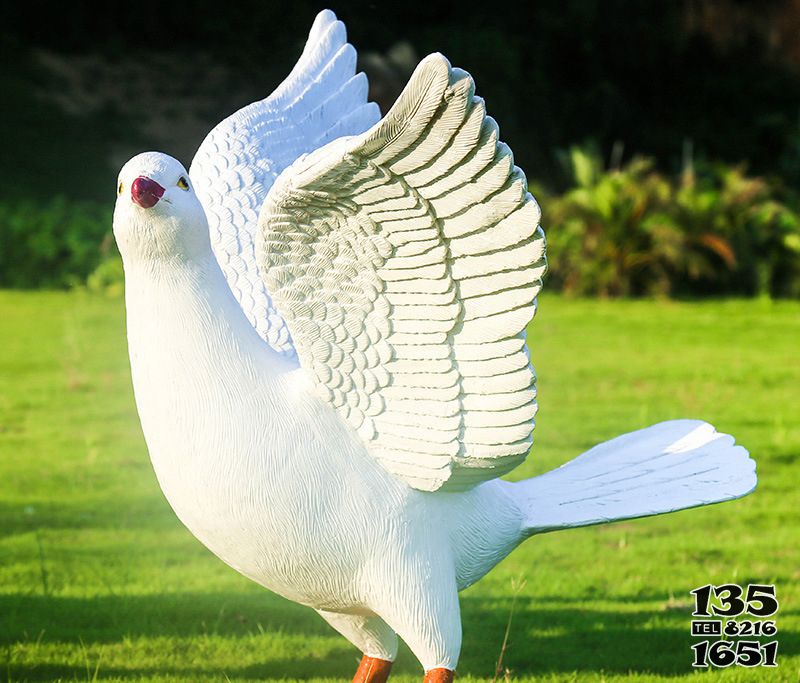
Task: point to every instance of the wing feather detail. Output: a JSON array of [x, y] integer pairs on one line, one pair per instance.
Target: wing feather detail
[[321, 100], [406, 262]]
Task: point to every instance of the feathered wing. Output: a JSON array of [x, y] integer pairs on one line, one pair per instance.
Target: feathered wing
[[406, 262], [235, 166]]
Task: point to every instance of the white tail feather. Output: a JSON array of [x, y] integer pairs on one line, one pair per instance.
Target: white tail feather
[[667, 467]]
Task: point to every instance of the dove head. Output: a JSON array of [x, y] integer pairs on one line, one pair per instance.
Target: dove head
[[158, 215]]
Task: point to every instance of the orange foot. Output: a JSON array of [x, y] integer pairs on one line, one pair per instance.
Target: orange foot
[[439, 676], [372, 670]]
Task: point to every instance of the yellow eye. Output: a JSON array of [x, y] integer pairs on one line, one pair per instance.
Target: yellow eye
[[120, 188], [183, 183]]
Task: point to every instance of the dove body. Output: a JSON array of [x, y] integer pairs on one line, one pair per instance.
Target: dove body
[[291, 499], [327, 332]]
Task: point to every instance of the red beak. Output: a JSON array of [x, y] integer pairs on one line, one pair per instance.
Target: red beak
[[146, 192]]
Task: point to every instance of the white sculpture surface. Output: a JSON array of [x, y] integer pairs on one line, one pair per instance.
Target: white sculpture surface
[[326, 323]]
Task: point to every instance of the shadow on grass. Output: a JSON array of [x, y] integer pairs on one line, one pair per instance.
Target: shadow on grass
[[547, 636], [557, 636], [165, 620], [108, 619], [274, 669], [149, 513]]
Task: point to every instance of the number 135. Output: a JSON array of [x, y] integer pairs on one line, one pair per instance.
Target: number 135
[[760, 600]]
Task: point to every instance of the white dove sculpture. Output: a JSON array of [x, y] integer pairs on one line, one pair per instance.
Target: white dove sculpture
[[326, 325]]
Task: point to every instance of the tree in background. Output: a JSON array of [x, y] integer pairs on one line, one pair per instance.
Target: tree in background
[[723, 73], [93, 85]]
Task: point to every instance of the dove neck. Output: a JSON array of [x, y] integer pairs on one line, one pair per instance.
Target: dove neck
[[209, 391], [184, 320]]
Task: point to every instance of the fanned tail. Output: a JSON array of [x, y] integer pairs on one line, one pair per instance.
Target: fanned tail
[[667, 467]]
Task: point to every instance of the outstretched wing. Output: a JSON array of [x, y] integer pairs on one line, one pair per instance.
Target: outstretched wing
[[322, 99], [406, 262]]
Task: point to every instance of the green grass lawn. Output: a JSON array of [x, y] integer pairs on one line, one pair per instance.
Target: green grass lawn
[[99, 581]]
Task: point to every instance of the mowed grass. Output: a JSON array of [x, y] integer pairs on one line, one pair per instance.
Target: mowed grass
[[99, 581]]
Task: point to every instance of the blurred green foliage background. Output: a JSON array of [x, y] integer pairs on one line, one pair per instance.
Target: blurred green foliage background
[[662, 138]]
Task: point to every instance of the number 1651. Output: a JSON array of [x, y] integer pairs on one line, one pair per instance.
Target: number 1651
[[723, 653]]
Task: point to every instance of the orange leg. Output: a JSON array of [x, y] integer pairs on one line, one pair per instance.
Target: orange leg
[[372, 670], [439, 676]]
